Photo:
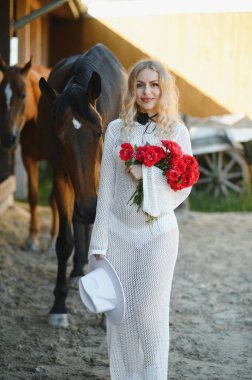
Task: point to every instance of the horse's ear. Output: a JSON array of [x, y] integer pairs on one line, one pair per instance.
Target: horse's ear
[[49, 92], [3, 65], [94, 87], [26, 67]]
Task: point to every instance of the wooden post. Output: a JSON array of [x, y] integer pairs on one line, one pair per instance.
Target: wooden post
[[36, 40], [7, 182], [45, 41], [6, 22], [23, 8]]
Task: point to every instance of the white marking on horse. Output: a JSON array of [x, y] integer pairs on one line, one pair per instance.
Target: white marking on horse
[[76, 123], [8, 94]]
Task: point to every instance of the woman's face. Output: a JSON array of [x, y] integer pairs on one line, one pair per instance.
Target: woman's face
[[147, 91]]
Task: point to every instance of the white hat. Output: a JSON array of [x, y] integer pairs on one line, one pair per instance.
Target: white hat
[[101, 290]]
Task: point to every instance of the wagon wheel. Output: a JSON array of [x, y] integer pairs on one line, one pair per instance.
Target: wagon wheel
[[222, 173]]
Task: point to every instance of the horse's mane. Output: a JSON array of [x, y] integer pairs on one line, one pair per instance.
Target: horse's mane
[[83, 72], [75, 97], [74, 94]]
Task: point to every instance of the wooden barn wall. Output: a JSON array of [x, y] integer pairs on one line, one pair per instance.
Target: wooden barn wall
[[33, 37], [213, 52], [210, 54]]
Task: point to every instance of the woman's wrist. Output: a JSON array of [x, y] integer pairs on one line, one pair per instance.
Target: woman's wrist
[[98, 256], [135, 171]]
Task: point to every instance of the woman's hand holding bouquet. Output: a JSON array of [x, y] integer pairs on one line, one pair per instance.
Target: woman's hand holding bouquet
[[181, 170]]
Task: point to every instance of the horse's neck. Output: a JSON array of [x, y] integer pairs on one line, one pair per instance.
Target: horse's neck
[[41, 71]]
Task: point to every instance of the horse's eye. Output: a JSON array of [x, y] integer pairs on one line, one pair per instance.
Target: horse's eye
[[23, 95], [98, 134], [58, 139]]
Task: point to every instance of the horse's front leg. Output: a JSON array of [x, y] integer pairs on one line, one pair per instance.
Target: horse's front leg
[[82, 233], [31, 167], [55, 223], [64, 246]]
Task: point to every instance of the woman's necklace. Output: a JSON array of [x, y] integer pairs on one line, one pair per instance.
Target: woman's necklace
[[145, 119], [147, 127]]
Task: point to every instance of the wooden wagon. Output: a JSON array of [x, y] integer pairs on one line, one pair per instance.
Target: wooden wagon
[[223, 148]]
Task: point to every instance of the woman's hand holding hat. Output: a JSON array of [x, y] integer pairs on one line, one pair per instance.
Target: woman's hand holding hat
[[99, 256], [101, 290]]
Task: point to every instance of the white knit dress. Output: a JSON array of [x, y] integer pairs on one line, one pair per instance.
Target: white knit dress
[[143, 254]]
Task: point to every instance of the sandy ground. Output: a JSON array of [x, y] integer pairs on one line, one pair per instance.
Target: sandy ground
[[211, 305]]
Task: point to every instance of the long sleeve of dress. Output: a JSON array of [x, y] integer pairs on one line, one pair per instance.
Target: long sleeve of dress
[[99, 238], [159, 198]]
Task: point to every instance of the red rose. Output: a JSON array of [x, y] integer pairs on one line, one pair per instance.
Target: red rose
[[173, 147], [140, 152], [151, 157], [194, 176], [172, 174], [189, 178], [190, 162], [127, 152], [175, 185], [165, 143], [186, 180], [177, 164], [160, 151]]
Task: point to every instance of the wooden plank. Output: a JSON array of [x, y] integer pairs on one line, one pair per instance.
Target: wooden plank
[[45, 41], [36, 40], [35, 4], [9, 201], [7, 187], [23, 34]]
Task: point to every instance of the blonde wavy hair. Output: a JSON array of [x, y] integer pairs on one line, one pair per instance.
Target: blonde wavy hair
[[168, 103]]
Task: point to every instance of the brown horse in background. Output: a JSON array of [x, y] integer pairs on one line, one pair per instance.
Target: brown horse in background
[[19, 98], [82, 95]]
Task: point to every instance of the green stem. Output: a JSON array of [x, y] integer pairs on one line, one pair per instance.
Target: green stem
[[137, 199], [137, 196]]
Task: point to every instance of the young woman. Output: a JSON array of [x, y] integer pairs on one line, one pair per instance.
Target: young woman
[[143, 254]]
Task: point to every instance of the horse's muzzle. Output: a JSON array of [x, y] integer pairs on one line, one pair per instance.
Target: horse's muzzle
[[85, 215], [9, 140]]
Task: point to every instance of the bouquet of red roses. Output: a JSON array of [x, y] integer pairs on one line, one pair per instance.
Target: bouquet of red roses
[[181, 170]]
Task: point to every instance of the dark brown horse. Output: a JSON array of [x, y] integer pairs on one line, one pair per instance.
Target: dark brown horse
[[81, 96], [19, 98]]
